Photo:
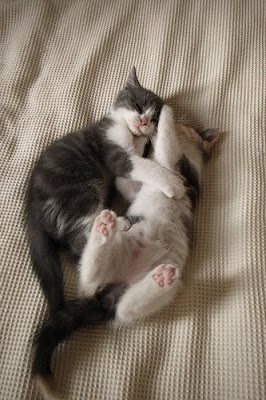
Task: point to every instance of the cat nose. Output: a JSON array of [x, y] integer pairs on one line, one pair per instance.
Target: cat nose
[[144, 120]]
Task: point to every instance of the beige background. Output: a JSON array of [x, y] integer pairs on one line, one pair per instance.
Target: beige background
[[62, 62]]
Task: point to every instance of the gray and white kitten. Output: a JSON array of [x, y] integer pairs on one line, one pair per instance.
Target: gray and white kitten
[[147, 258], [137, 268], [69, 186]]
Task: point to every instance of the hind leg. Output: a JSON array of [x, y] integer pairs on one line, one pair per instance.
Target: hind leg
[[98, 262], [149, 295]]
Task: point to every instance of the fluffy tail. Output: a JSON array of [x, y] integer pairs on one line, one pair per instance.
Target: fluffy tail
[[75, 314]]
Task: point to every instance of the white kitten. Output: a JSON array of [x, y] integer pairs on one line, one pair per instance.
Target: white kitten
[[150, 256]]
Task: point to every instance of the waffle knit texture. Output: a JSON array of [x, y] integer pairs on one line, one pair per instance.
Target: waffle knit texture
[[62, 63]]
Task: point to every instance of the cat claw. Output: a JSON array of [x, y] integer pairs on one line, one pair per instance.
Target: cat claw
[[165, 275]]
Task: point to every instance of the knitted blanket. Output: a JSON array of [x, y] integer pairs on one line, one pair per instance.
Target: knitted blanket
[[62, 63]]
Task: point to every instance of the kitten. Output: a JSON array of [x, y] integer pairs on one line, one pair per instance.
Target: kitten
[[70, 181], [138, 268], [148, 258], [70, 185]]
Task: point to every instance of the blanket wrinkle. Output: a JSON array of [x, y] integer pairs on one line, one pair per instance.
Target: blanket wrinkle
[[62, 63]]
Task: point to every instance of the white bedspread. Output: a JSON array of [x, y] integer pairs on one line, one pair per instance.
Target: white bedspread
[[62, 62]]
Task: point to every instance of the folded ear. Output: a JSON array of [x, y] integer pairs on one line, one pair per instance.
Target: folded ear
[[132, 79], [210, 136]]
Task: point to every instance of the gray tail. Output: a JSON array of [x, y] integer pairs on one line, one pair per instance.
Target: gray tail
[[46, 264], [74, 315]]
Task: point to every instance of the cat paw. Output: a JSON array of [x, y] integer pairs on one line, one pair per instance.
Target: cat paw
[[167, 114], [174, 185], [106, 223], [165, 275], [123, 224], [180, 189]]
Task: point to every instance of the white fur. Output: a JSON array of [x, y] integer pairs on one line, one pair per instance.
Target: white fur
[[132, 118], [145, 298], [136, 256], [119, 132], [144, 170], [91, 276]]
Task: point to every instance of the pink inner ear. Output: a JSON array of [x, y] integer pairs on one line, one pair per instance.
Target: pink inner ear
[[211, 136]]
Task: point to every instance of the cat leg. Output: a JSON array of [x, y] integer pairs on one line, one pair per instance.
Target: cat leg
[[149, 295], [127, 188], [139, 144], [126, 163], [162, 179], [101, 252], [167, 149]]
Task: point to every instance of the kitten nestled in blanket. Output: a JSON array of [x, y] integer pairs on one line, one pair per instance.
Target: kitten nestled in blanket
[[130, 266]]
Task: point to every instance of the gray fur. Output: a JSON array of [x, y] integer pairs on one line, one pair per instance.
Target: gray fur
[[70, 184], [134, 97]]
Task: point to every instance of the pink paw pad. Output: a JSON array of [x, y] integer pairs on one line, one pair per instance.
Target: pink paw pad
[[165, 276], [106, 222]]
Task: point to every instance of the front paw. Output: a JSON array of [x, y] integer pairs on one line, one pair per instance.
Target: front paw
[[166, 116], [174, 188], [180, 189], [123, 224]]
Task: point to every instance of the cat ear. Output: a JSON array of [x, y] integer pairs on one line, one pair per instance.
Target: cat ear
[[132, 79], [210, 136]]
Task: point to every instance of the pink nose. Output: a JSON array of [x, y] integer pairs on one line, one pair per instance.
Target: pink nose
[[144, 120]]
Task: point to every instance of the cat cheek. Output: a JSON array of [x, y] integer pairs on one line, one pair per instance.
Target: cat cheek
[[148, 130], [134, 119], [152, 127]]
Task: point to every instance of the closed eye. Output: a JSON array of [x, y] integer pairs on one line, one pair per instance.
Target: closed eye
[[137, 107]]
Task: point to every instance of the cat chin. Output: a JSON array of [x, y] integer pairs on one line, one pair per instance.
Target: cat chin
[[141, 132], [135, 131]]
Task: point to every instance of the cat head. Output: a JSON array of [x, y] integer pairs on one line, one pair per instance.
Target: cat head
[[138, 107]]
